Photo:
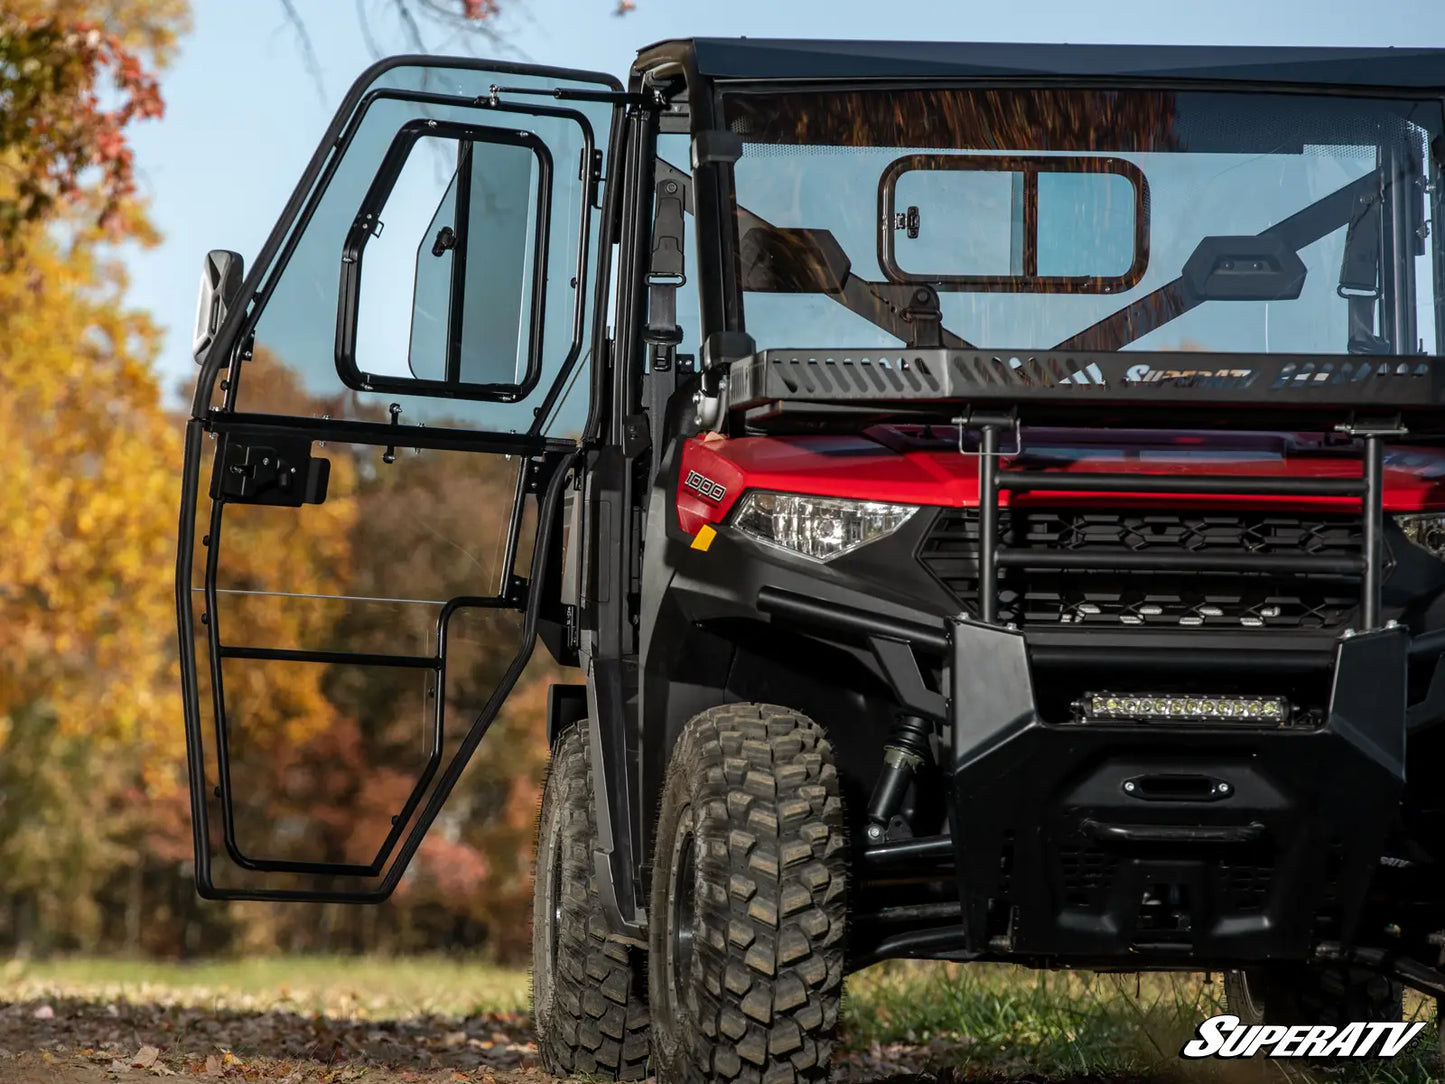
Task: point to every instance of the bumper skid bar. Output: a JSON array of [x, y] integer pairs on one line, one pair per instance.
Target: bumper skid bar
[[1056, 857]]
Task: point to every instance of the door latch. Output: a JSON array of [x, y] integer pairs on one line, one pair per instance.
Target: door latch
[[280, 472]]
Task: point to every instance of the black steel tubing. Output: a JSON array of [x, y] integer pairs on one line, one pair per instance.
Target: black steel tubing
[[988, 486], [383, 434], [1248, 659], [1128, 560], [205, 883], [925, 848], [1374, 456], [915, 943], [913, 912], [1230, 485], [1178, 835], [344, 658]]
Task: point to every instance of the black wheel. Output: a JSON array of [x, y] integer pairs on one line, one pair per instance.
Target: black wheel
[[749, 901], [589, 1003], [1300, 994]]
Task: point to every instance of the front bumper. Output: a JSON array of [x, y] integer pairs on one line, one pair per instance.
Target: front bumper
[[1205, 842], [1053, 858]]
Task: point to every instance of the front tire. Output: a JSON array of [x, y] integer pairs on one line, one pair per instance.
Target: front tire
[[588, 998], [749, 901], [1299, 994]]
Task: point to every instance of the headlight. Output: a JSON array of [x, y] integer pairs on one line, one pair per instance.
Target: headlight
[[1426, 530], [818, 527]]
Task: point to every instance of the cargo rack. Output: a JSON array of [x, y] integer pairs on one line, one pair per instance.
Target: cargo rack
[[773, 384], [989, 394]]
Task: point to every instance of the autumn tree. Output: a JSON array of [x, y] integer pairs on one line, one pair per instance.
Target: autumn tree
[[87, 677], [94, 821], [60, 147]]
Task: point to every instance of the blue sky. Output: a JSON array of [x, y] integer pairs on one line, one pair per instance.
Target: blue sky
[[244, 114]]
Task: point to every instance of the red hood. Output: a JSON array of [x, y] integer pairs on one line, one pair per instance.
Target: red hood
[[910, 465]]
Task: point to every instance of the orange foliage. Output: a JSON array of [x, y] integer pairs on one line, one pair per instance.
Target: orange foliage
[[94, 821], [56, 140]]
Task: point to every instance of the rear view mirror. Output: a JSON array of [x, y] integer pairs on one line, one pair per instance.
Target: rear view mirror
[[1036, 224], [450, 295], [1257, 267], [222, 274]]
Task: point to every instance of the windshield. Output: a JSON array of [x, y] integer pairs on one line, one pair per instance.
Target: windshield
[[1088, 220]]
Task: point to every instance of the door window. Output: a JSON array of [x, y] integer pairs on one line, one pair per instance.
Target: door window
[[439, 262]]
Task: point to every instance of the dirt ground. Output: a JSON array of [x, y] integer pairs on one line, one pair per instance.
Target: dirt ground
[[72, 1040], [75, 1041]]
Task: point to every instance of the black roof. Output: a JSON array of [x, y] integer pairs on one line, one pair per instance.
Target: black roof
[[764, 58]]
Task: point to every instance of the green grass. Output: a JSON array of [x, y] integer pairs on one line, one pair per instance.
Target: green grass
[[366, 987], [991, 1018], [983, 1020], [994, 1020]]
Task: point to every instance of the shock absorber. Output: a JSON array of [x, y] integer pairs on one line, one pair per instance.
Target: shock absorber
[[907, 750]]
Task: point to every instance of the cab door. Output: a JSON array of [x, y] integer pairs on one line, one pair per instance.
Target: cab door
[[388, 411]]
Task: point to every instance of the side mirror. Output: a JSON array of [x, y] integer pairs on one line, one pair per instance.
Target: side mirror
[[222, 274]]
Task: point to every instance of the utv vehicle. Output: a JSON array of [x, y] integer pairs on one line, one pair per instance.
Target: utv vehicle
[[994, 496]]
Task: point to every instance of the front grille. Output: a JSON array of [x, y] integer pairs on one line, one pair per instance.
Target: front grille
[[1146, 597]]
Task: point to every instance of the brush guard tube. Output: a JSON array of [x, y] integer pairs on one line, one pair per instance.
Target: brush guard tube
[[1062, 853]]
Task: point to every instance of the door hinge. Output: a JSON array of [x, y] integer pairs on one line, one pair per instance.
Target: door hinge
[[572, 628], [533, 479], [595, 179], [517, 590]]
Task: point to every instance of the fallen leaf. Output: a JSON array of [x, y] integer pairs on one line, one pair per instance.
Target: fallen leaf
[[119, 1067], [145, 1057], [213, 1065]]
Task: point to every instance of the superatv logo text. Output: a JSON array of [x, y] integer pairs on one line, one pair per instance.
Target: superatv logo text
[[1294, 375], [1226, 1037], [1190, 378]]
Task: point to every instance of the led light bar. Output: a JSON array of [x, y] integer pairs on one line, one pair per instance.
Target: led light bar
[[1191, 708]]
